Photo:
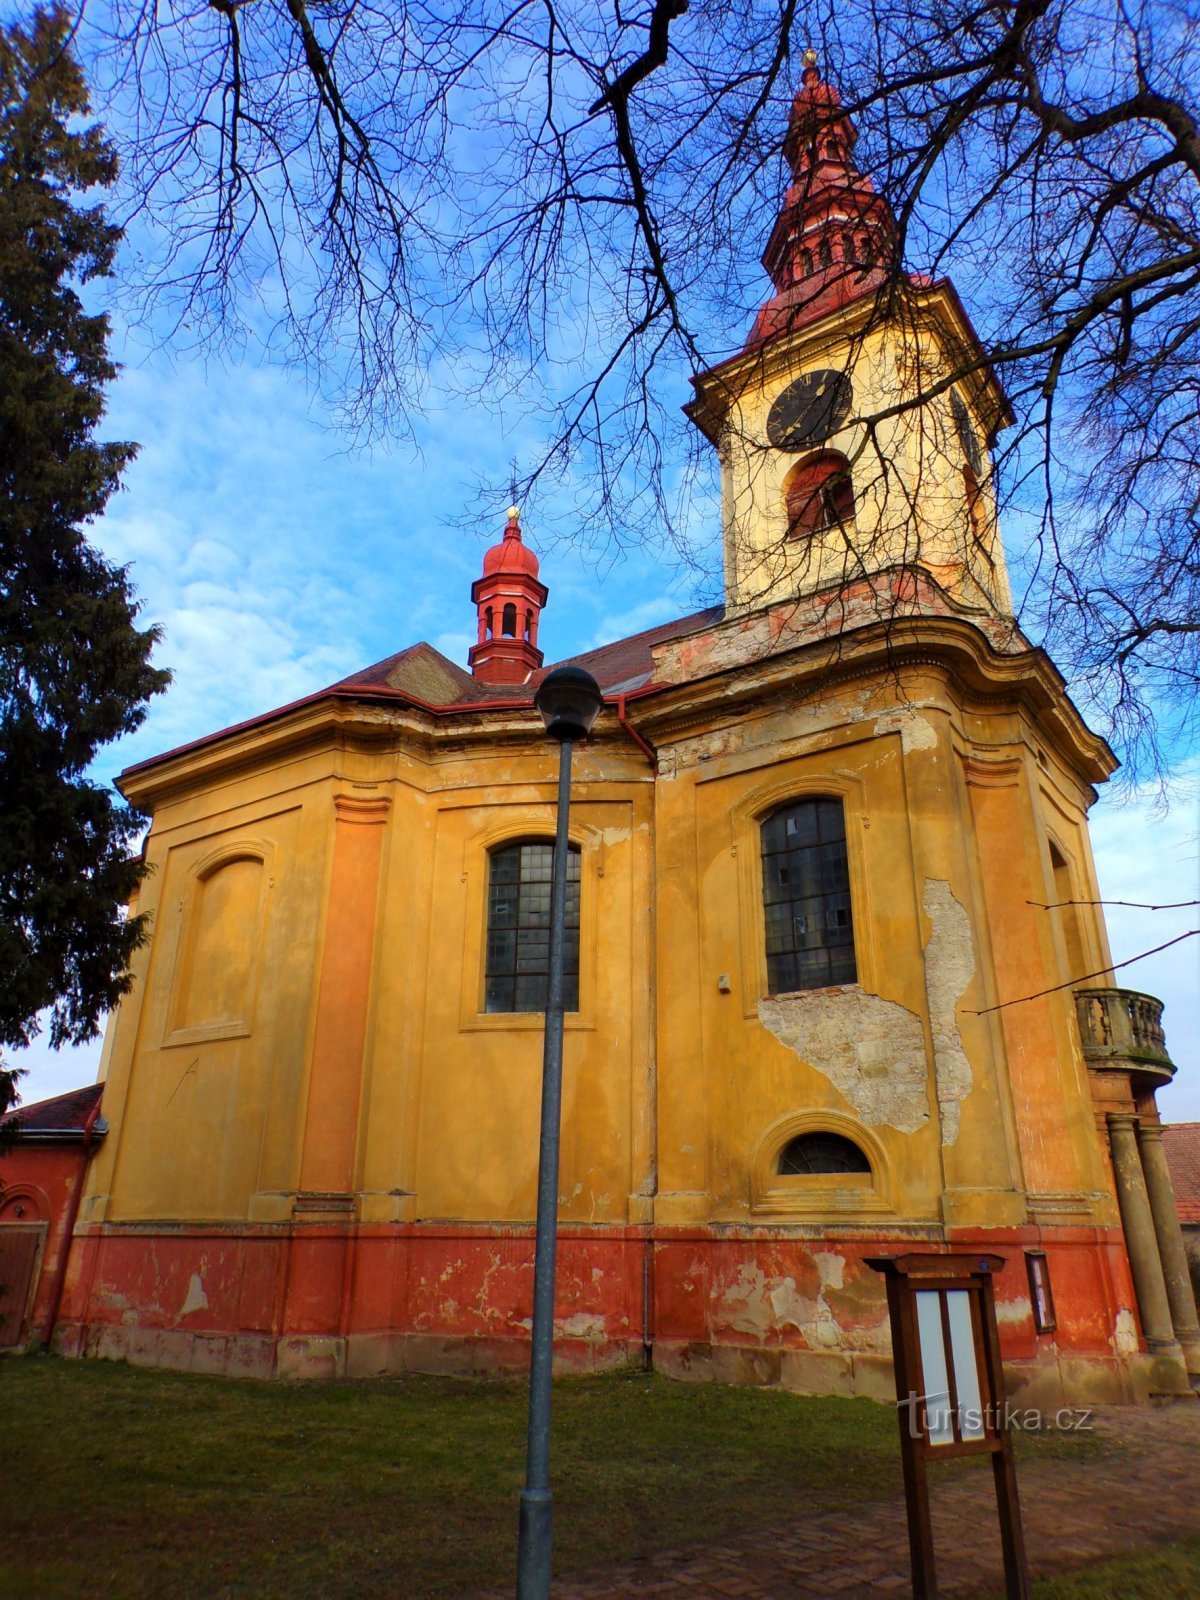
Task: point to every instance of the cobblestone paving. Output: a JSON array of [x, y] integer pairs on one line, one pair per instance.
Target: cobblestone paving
[[1074, 1512]]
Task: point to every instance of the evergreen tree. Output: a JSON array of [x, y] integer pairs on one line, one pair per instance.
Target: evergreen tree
[[74, 667]]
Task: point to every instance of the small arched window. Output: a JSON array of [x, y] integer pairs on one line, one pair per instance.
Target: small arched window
[[812, 1153], [518, 929], [824, 251], [806, 897], [508, 621], [488, 620], [819, 494]]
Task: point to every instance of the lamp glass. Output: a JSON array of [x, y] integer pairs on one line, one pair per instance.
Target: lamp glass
[[569, 700]]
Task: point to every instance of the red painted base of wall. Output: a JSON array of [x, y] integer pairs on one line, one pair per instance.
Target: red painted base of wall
[[753, 1305]]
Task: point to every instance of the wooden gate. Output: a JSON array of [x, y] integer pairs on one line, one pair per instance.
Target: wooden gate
[[20, 1252]]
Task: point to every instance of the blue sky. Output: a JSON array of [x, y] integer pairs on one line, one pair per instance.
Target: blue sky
[[276, 561]]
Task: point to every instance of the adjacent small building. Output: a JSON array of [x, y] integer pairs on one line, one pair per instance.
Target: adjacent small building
[[839, 985], [1181, 1141], [44, 1153]]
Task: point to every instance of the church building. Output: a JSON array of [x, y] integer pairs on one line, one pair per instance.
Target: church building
[[838, 985]]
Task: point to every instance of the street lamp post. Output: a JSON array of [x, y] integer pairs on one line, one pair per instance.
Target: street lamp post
[[569, 700]]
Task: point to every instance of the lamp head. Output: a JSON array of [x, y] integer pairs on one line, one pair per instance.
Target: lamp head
[[569, 700]]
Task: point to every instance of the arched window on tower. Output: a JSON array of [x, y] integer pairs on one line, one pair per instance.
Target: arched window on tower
[[529, 624], [825, 251], [508, 622], [488, 619], [976, 512], [819, 494], [1067, 903]]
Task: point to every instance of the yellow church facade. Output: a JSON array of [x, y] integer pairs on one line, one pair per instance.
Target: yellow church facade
[[838, 984]]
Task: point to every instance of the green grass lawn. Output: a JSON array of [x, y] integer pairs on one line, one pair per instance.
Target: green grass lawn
[[132, 1483], [1170, 1573], [141, 1483]]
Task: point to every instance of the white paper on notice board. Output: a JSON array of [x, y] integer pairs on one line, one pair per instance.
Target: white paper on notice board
[[937, 1363]]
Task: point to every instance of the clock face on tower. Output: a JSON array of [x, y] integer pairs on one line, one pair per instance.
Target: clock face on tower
[[809, 410]]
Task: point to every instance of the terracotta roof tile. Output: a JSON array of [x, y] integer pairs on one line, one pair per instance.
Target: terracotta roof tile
[[1181, 1141]]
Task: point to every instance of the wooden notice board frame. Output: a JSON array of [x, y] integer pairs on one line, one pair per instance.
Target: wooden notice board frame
[[950, 1397]]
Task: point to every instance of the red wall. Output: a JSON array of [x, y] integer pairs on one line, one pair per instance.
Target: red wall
[[37, 1185], [264, 1298]]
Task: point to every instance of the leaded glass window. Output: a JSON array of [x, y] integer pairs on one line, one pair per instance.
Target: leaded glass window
[[518, 928], [811, 1153], [806, 897]]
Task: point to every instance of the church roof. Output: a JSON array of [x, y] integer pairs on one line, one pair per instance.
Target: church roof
[[423, 676], [422, 673], [65, 1116]]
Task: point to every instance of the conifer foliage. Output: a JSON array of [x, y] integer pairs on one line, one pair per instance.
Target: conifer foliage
[[75, 668]]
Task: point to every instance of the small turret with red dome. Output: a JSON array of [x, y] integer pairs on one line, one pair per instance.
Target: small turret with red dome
[[835, 237], [509, 599]]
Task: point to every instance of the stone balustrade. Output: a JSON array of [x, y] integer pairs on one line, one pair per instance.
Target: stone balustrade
[[1122, 1026]]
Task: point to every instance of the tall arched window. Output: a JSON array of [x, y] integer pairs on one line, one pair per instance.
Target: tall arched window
[[819, 494], [508, 621], [1068, 912], [806, 897], [973, 496], [518, 930]]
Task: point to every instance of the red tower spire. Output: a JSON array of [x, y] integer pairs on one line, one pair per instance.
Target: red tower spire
[[835, 237], [509, 599]]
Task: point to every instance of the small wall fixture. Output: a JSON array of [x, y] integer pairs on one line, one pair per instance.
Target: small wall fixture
[[1040, 1292]]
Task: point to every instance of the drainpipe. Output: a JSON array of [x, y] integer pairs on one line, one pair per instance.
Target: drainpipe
[[64, 1249], [648, 1302], [644, 745], [651, 755]]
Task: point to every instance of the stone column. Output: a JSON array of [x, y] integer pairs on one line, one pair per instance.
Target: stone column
[[1140, 1237], [1178, 1281]]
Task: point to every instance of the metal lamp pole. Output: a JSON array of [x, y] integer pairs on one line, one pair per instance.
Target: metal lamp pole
[[569, 700]]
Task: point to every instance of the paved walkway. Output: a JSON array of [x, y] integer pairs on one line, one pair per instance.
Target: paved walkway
[[1074, 1512]]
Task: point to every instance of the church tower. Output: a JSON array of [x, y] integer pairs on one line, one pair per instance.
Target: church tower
[[509, 599], [854, 426]]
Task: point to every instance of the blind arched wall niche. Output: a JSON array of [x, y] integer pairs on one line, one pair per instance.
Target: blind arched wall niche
[[217, 966]]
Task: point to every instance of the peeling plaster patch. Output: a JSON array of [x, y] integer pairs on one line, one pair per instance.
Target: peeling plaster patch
[[916, 732], [831, 1268], [196, 1299], [1013, 1310], [872, 1050], [949, 968], [1125, 1333], [762, 1306], [745, 1301], [579, 1326]]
